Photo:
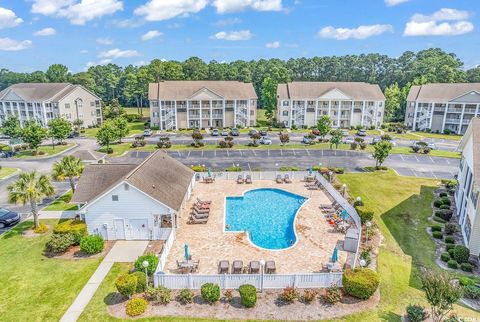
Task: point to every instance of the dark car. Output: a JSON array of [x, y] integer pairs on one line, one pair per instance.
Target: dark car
[[315, 132], [263, 133], [8, 218], [362, 132], [234, 132], [252, 132]]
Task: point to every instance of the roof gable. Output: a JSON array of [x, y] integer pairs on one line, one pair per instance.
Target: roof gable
[[12, 96], [335, 94], [205, 94], [472, 97]]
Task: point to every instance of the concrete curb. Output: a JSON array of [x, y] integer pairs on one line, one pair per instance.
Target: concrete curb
[[11, 175], [47, 156]]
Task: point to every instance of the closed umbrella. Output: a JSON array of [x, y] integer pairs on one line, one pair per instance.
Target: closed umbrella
[[335, 255], [310, 171], [209, 172], [186, 252], [344, 215]]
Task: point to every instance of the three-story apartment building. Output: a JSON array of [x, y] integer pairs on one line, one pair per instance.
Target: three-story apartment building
[[45, 101], [202, 104], [440, 107], [347, 103], [466, 196]]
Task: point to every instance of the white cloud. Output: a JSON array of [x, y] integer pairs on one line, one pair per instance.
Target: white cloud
[[117, 53], [227, 22], [104, 41], [156, 10], [9, 19], [77, 11], [174, 25], [151, 34], [275, 44], [83, 51], [391, 3], [224, 6], [361, 32], [45, 32], [140, 63], [444, 22], [232, 35], [8, 44]]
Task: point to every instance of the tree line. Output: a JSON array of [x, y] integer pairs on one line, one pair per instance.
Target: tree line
[[395, 75]]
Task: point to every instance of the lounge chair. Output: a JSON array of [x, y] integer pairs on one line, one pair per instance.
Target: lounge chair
[[237, 267], [313, 187], [194, 220], [196, 263], [270, 267], [223, 266], [203, 202], [200, 215], [254, 267], [286, 179], [279, 179], [248, 179], [201, 210], [240, 179]]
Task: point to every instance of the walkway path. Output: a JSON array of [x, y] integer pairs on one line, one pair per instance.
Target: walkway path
[[122, 251]]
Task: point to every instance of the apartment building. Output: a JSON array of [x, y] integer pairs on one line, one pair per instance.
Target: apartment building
[[202, 104], [466, 196], [46, 101], [440, 107], [347, 103]]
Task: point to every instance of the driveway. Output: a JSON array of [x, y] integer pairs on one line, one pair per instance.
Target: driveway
[[122, 251]]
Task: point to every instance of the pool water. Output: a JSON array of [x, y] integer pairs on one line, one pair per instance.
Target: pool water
[[267, 215]]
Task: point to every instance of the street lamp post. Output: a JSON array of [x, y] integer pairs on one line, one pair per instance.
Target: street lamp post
[[363, 263], [344, 186], [262, 264], [145, 265], [330, 173]]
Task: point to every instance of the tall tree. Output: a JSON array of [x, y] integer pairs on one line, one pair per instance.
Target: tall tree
[[336, 138], [121, 127], [59, 129], [11, 127], [393, 101], [57, 73], [30, 188], [33, 134], [68, 167], [381, 151], [85, 79], [107, 134], [195, 69], [269, 96], [324, 125]]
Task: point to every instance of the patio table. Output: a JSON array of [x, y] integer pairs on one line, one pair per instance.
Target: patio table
[[334, 267]]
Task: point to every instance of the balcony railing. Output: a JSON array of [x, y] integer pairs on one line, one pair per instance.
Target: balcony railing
[[454, 110], [470, 110], [452, 121]]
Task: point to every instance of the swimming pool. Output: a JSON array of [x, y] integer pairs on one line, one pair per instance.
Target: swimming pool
[[266, 214]]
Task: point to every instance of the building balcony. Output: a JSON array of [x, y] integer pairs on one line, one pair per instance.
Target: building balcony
[[452, 121], [454, 110], [193, 116], [470, 110]]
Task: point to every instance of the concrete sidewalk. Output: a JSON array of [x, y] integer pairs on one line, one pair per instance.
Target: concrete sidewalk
[[122, 251]]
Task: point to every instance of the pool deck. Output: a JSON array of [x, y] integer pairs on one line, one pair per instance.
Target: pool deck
[[209, 244]]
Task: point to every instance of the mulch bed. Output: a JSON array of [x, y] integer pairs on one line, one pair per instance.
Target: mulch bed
[[268, 307], [74, 252]]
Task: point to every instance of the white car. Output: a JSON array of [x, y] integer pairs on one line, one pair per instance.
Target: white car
[[349, 140], [147, 132], [345, 132], [265, 140]]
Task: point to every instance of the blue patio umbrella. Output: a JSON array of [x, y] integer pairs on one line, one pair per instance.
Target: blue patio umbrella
[[310, 171], [186, 252], [335, 255], [209, 172], [344, 215]]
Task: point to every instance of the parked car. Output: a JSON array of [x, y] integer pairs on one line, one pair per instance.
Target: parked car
[[422, 144], [234, 132], [265, 140], [375, 140], [349, 140], [345, 132], [147, 132], [432, 146], [215, 132], [307, 140], [263, 133], [252, 132], [315, 132], [8, 218], [362, 132], [224, 132]]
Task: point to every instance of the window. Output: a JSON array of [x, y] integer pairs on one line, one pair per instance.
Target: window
[[285, 103], [467, 228], [252, 112], [285, 113], [67, 105], [114, 197], [92, 103]]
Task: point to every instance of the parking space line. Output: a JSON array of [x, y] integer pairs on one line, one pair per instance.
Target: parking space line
[[416, 158], [448, 162], [240, 153], [322, 152], [188, 156], [431, 159], [308, 152], [249, 168], [179, 154], [215, 153], [401, 156], [253, 151], [281, 152], [268, 152], [228, 154], [434, 175], [202, 153], [293, 150]]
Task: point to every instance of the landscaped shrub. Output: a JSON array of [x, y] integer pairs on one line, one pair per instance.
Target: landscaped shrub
[[416, 313], [210, 292], [333, 295], [41, 229], [444, 207], [126, 284], [438, 219], [436, 228], [92, 244], [136, 306], [365, 255], [141, 281], [248, 295], [461, 254], [437, 234], [472, 292], [466, 267], [450, 228], [445, 257], [450, 240], [164, 295], [152, 260], [452, 264], [465, 281], [360, 283], [443, 194], [228, 296], [365, 215], [437, 203], [450, 247], [444, 214], [446, 201], [289, 294], [451, 251], [185, 296], [59, 243], [309, 295], [151, 293], [77, 228]]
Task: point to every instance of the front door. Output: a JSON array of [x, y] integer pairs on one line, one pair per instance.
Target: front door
[[139, 229], [119, 229]]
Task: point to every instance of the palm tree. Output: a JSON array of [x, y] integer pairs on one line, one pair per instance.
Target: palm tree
[[68, 167], [30, 187]]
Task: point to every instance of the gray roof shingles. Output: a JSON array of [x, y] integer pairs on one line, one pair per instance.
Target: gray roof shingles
[[314, 90]]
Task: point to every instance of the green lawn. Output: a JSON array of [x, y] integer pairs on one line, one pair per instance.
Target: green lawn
[[5, 172], [401, 206], [47, 149], [134, 110], [134, 128], [62, 203], [439, 136], [34, 287]]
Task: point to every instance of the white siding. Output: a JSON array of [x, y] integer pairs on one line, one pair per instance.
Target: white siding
[[131, 204]]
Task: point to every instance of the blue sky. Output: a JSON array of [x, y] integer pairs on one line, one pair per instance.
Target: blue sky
[[78, 33]]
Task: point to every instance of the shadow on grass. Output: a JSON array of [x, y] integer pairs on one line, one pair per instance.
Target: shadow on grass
[[407, 222], [114, 298]]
